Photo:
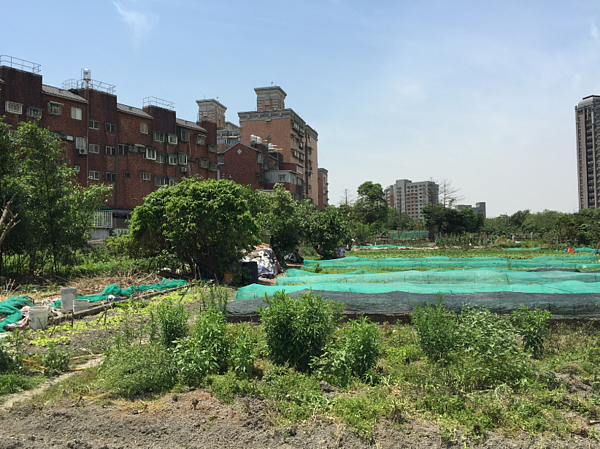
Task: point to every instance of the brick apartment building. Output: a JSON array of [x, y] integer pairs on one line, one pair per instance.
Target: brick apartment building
[[286, 131], [134, 150], [287, 144]]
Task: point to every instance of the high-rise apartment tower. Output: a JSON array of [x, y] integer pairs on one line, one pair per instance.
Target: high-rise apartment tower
[[587, 129]]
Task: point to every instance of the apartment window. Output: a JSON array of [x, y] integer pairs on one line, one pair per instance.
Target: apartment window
[[127, 174], [95, 175], [145, 176], [94, 148], [204, 162], [54, 108], [76, 113], [76, 168], [172, 181], [160, 159], [34, 112], [172, 159], [260, 158], [159, 137], [80, 143], [110, 151], [200, 139], [93, 124], [110, 127], [110, 176], [14, 108], [182, 158], [172, 139], [213, 167], [123, 149], [185, 135], [160, 181], [150, 154], [144, 128]]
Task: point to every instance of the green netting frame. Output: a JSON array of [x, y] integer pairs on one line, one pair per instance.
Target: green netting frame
[[115, 290]]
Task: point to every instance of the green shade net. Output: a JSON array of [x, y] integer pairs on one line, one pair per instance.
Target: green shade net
[[523, 249], [115, 290], [585, 249], [9, 306], [477, 276], [589, 262]]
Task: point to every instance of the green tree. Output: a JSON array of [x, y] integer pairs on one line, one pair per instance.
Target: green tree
[[55, 212], [324, 230], [371, 206], [400, 221], [202, 224], [282, 217]]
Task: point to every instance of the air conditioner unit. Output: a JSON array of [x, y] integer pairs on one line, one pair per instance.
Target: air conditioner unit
[[83, 151], [70, 138], [183, 169]]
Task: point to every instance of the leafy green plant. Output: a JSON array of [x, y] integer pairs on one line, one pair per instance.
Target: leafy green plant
[[172, 319], [487, 354], [296, 330], [242, 353], [205, 351], [363, 410], [437, 330], [353, 354], [139, 369], [55, 360], [531, 325], [296, 395], [7, 363]]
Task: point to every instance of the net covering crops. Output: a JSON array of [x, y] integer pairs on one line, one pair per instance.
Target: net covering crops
[[397, 285]]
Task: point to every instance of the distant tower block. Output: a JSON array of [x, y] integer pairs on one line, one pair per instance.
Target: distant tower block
[[213, 111], [268, 98]]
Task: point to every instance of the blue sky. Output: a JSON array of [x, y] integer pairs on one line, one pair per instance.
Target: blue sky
[[477, 92]]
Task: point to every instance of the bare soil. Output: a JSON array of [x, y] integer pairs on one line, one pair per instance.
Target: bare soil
[[197, 420]]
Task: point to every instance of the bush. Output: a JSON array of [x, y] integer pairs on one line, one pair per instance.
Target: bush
[[206, 351], [353, 354], [7, 363], [139, 369], [242, 354], [296, 331], [531, 325], [437, 331], [488, 354], [55, 361], [172, 322]]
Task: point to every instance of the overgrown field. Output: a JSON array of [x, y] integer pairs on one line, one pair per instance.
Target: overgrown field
[[473, 373]]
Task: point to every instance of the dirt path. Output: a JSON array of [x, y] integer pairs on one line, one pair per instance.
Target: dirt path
[[20, 397]]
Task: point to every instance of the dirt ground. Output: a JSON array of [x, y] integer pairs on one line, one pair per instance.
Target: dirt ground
[[197, 420]]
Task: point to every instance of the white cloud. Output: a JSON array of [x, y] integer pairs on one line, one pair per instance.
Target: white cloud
[[140, 24]]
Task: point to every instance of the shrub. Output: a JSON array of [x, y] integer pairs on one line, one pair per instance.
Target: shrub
[[204, 352], [488, 354], [55, 361], [242, 354], [298, 330], [531, 325], [172, 322], [353, 354], [139, 369], [437, 330]]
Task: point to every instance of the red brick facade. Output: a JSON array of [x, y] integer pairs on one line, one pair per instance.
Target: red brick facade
[[134, 150]]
